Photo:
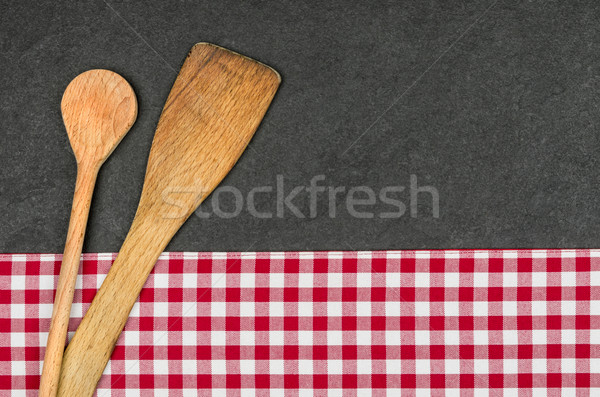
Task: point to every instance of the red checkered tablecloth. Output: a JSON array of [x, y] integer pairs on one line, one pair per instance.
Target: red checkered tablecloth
[[524, 322]]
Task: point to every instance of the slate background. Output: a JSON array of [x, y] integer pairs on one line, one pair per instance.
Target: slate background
[[494, 104]]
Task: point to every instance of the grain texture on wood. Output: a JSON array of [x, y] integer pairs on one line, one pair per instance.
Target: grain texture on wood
[[98, 109], [216, 104]]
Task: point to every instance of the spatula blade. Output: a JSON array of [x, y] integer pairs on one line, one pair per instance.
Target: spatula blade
[[212, 112]]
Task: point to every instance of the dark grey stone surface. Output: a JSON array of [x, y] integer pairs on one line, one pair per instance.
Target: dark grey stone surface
[[493, 104]]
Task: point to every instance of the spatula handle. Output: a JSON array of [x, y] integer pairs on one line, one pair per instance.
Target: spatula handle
[[84, 188], [91, 347]]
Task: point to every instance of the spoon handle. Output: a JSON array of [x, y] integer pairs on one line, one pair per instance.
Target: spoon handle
[[84, 188]]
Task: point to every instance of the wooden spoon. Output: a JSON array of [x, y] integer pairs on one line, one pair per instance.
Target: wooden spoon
[[98, 109], [212, 112]]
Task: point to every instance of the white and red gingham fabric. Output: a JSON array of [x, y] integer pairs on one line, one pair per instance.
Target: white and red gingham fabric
[[524, 322]]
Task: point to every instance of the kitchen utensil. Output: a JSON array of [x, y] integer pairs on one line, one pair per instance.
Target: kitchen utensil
[[216, 104], [98, 108]]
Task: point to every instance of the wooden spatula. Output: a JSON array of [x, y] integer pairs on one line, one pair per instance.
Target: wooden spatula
[[212, 112]]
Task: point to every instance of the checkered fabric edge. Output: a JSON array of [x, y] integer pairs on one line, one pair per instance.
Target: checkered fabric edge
[[508, 322]]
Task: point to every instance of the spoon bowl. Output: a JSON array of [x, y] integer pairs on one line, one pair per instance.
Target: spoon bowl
[[98, 108]]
